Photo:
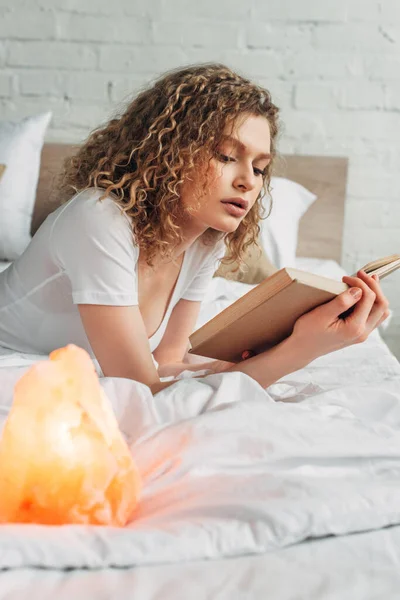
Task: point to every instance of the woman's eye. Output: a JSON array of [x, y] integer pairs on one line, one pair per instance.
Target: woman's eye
[[260, 172], [224, 157]]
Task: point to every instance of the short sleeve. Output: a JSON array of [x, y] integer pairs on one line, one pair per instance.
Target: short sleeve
[[197, 288], [92, 243]]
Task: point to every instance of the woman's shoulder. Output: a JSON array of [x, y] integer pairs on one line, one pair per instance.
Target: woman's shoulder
[[91, 205], [94, 199], [94, 220]]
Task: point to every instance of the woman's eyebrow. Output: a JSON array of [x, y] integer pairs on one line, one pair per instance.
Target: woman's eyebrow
[[242, 146]]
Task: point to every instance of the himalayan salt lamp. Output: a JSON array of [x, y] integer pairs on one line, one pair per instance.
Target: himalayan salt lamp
[[62, 456]]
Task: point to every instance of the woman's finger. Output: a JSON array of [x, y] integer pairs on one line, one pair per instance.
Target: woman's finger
[[381, 303], [383, 318], [376, 287], [364, 306]]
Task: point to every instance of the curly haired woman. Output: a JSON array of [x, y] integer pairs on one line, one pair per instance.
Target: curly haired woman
[[152, 200]]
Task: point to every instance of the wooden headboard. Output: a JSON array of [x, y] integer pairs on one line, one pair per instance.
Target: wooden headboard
[[321, 228]]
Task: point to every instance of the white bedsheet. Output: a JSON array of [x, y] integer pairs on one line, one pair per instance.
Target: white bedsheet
[[232, 470], [363, 566], [3, 265]]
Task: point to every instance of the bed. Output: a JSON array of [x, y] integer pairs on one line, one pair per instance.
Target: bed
[[289, 492]]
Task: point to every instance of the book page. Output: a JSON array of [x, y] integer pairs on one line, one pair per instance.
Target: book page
[[382, 266]]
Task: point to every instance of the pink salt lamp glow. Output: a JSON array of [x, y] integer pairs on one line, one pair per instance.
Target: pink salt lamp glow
[[62, 456]]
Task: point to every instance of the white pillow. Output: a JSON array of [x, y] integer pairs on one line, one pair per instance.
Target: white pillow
[[20, 149], [279, 232]]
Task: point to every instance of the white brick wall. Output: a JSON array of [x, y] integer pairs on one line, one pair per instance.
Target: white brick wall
[[333, 66]]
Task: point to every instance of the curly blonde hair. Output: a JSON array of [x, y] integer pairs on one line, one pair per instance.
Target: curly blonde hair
[[144, 154]]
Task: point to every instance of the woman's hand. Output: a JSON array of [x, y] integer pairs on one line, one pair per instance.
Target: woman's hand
[[219, 366], [322, 330]]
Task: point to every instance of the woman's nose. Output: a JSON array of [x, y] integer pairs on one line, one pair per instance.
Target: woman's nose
[[245, 179]]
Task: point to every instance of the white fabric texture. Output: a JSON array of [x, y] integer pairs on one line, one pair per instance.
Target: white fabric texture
[[4, 264], [362, 566], [84, 253], [279, 231], [20, 150], [231, 469]]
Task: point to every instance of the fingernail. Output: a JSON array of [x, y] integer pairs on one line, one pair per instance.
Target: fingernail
[[356, 292], [376, 277]]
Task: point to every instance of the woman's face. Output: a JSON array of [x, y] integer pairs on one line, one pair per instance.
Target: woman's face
[[235, 178]]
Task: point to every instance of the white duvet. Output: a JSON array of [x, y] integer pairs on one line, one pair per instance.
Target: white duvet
[[231, 469]]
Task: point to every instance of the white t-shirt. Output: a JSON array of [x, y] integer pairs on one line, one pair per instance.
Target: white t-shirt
[[84, 253]]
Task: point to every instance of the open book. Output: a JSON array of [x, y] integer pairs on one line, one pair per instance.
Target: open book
[[266, 314]]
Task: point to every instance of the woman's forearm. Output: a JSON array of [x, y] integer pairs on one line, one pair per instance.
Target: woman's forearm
[[269, 366], [266, 368], [175, 369]]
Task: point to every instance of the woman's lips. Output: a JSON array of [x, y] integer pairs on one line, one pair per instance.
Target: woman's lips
[[234, 210]]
